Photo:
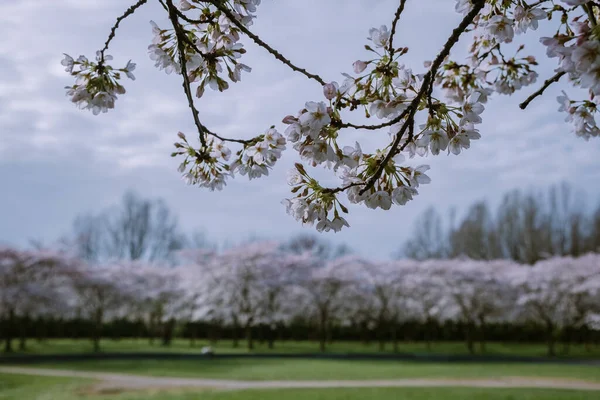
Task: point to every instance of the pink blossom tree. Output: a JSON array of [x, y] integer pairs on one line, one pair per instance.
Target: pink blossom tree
[[30, 284]]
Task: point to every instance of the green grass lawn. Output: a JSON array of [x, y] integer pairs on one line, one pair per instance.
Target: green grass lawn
[[16, 387], [183, 346], [301, 369]]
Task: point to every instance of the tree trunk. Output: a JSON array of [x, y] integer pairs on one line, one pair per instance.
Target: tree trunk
[[551, 340], [272, 334], [566, 342], [192, 335], [322, 332], [9, 332], [23, 343], [469, 337], [249, 337], [551, 351], [40, 332], [167, 334], [363, 334], [151, 329], [261, 334], [213, 334], [482, 336], [97, 330], [236, 342], [8, 343], [395, 337], [23, 333], [428, 335], [322, 344]]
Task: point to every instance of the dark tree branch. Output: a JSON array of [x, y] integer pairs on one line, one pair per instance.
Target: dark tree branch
[[399, 11], [180, 34], [181, 39], [194, 21], [427, 81], [541, 90], [262, 44], [113, 30], [342, 188], [590, 12]]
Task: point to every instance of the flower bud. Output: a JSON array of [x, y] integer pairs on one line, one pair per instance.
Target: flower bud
[[184, 5], [330, 90], [289, 119], [359, 66]]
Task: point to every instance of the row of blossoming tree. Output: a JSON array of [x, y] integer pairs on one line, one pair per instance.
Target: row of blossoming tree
[[263, 284], [425, 110]]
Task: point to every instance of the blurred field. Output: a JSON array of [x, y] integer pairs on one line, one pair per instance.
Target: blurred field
[[294, 369], [62, 346], [17, 387]]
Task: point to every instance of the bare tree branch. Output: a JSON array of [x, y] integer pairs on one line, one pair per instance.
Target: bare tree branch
[[399, 11], [180, 34], [181, 39], [113, 30], [541, 90]]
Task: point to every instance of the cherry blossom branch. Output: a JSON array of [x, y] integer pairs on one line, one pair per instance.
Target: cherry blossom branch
[[399, 11], [477, 6], [264, 45], [113, 30], [541, 90], [181, 38], [180, 34], [414, 105]]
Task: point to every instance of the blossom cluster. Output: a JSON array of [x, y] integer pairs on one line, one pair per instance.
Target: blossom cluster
[[209, 166], [385, 89], [211, 44], [575, 44], [578, 52], [256, 159], [314, 203], [97, 84]]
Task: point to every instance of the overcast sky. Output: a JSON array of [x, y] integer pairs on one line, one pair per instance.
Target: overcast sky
[[57, 161]]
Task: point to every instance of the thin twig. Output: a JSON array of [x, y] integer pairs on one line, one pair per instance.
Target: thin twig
[[541, 90], [342, 188], [194, 21], [414, 105], [179, 33], [113, 30], [264, 45], [391, 49]]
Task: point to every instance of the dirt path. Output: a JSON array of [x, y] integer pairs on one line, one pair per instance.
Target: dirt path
[[125, 381]]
